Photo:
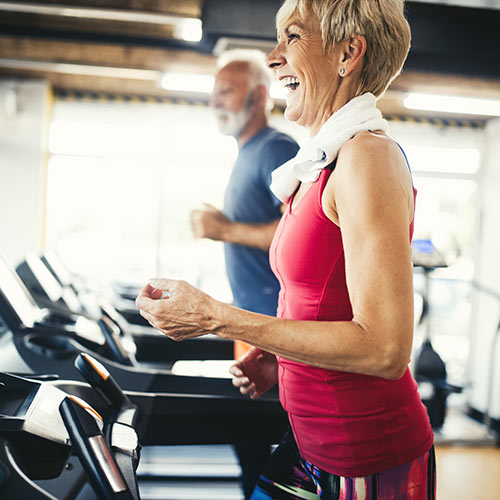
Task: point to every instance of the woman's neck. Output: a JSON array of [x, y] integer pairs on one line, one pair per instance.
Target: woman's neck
[[343, 95]]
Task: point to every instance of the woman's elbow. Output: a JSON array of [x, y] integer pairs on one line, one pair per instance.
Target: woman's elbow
[[395, 362], [395, 371]]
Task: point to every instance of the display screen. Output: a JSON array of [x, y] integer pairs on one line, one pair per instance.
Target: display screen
[[58, 267], [424, 254], [44, 277], [423, 246], [17, 296]]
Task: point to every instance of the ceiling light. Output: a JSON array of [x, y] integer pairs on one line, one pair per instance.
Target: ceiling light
[[451, 104], [188, 82], [190, 30], [204, 84], [80, 69], [95, 13], [185, 28]]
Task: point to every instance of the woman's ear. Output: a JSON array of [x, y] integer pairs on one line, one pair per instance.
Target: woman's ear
[[353, 50]]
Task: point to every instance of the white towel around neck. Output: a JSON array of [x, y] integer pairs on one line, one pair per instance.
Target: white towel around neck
[[359, 114]]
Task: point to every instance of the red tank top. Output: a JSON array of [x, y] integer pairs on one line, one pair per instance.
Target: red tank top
[[347, 424]]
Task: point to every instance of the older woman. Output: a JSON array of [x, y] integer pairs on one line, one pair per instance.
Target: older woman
[[340, 345]]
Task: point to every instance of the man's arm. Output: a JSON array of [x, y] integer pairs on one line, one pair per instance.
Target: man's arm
[[210, 222]]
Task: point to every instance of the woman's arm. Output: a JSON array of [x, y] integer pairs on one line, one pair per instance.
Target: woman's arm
[[370, 194]]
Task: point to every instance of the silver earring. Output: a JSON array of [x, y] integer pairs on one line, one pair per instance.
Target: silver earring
[[342, 71]]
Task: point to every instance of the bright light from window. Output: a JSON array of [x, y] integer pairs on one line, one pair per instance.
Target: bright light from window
[[190, 30], [105, 139], [443, 160], [277, 91], [188, 82], [451, 104]]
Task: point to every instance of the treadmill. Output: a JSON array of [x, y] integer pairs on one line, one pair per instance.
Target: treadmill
[[69, 440], [147, 344], [65, 304], [36, 341], [48, 292], [123, 301]]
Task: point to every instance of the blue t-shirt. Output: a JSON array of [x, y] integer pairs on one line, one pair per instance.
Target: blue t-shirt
[[248, 199]]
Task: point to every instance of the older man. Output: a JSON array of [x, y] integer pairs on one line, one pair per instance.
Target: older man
[[251, 212]]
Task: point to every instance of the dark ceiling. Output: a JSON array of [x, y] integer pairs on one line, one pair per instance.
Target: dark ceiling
[[123, 46]]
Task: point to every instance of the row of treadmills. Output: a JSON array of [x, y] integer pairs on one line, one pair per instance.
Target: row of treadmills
[[84, 384]]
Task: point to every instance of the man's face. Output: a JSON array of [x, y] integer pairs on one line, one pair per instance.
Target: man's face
[[231, 98]]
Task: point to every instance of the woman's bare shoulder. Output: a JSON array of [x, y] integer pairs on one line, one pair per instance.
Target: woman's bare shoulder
[[370, 165], [366, 148]]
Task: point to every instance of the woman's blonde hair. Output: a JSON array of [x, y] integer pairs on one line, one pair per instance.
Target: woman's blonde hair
[[381, 22]]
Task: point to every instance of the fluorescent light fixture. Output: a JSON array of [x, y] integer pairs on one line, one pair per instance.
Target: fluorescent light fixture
[[186, 28], [81, 69], [190, 30], [204, 84], [457, 160], [96, 13], [452, 104], [188, 82]]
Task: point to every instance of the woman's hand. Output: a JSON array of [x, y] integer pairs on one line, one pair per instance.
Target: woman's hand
[[255, 372], [176, 308]]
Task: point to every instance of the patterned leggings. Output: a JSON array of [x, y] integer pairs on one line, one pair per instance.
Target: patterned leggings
[[287, 476]]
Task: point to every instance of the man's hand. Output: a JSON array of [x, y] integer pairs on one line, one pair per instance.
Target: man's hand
[[209, 222], [255, 372]]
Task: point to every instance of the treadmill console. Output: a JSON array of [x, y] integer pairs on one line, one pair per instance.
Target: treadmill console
[[16, 304], [32, 407], [19, 310], [44, 277], [44, 286], [54, 264], [45, 425], [424, 254]]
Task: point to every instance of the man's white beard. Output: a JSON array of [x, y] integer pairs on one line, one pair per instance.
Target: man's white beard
[[231, 123]]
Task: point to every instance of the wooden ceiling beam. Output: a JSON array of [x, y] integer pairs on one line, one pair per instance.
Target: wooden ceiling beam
[[113, 55], [184, 8], [106, 27]]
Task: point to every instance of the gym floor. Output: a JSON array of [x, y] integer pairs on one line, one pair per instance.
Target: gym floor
[[468, 462], [468, 472], [464, 473]]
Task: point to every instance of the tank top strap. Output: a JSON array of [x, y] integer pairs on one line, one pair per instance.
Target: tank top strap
[[332, 165], [325, 175]]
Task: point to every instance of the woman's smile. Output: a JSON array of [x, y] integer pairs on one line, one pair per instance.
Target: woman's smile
[[290, 82]]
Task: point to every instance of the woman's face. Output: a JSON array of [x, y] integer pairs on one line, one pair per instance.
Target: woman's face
[[310, 75]]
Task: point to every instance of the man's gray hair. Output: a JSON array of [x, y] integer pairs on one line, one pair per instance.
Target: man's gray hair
[[260, 74]]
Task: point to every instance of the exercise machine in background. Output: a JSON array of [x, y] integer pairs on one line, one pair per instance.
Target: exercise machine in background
[[429, 368]]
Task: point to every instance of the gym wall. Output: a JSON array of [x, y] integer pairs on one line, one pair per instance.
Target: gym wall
[[24, 122]]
